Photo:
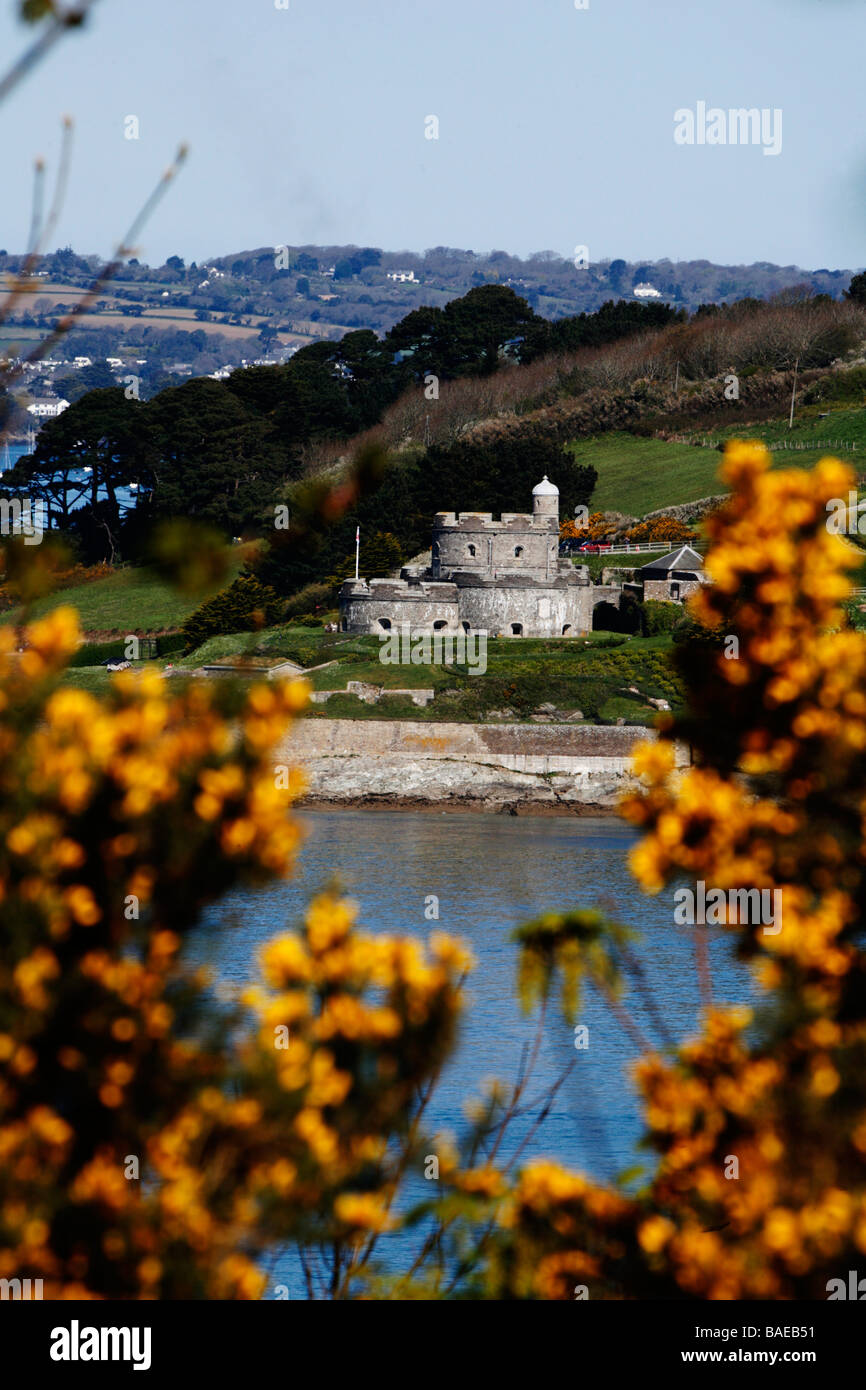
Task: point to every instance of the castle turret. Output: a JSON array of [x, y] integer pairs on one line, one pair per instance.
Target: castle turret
[[545, 499]]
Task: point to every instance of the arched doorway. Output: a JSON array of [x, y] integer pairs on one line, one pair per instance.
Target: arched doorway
[[606, 617]]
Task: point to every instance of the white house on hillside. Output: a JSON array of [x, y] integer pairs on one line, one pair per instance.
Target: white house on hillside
[[48, 410]]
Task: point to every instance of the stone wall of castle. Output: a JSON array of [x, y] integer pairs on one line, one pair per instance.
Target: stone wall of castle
[[522, 608], [386, 603], [519, 608]]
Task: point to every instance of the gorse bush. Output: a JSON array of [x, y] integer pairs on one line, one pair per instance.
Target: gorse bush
[[120, 820], [667, 530]]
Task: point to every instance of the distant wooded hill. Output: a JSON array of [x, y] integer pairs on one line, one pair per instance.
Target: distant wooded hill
[[465, 407], [301, 293]]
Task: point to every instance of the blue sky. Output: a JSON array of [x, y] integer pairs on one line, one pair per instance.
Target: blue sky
[[307, 124]]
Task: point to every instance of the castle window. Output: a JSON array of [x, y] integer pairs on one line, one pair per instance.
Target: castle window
[[675, 591], [465, 627], [518, 550], [385, 624], [517, 629], [566, 629], [471, 549], [439, 624]]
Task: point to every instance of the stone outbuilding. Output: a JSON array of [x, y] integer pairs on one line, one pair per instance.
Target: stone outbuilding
[[673, 577]]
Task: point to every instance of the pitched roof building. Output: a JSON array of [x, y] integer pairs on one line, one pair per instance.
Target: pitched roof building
[[673, 577]]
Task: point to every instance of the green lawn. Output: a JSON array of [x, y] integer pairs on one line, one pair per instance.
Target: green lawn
[[130, 600], [94, 679], [17, 333], [597, 564], [590, 675]]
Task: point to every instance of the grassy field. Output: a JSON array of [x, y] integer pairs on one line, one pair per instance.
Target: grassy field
[[835, 434], [597, 564], [637, 476], [16, 333], [581, 677], [95, 679], [107, 313], [130, 600], [586, 679]]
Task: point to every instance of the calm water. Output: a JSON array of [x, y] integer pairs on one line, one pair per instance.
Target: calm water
[[10, 454], [491, 873]]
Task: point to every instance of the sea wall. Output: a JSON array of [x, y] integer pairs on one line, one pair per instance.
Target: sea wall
[[553, 767]]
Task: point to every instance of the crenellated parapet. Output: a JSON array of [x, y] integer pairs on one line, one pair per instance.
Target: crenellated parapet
[[404, 589], [382, 605], [486, 521]]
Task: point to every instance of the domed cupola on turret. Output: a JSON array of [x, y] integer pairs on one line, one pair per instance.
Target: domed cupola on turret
[[545, 499]]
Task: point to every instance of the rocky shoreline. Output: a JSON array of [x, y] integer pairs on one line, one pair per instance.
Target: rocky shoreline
[[512, 769], [475, 805]]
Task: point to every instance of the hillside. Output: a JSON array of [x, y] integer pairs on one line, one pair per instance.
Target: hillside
[[131, 600], [269, 299], [637, 475]]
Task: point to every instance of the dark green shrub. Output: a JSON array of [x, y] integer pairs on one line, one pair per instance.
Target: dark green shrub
[[589, 696], [689, 630], [244, 606], [632, 617], [94, 653], [169, 643], [838, 386], [627, 617], [661, 616], [312, 596]]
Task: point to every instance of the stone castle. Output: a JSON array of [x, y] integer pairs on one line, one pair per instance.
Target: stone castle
[[505, 578]]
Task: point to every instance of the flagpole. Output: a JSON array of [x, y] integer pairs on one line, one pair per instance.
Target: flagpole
[[357, 548]]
